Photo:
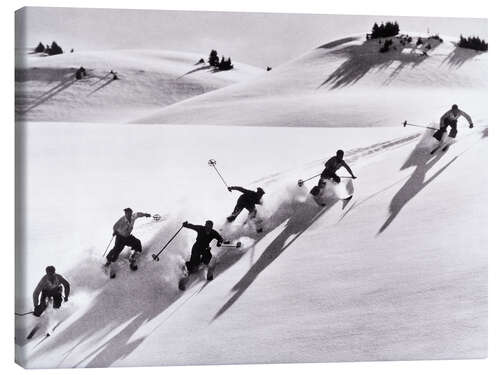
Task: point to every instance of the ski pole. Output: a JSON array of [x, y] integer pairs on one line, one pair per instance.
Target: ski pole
[[157, 256], [107, 247], [406, 123], [236, 245], [212, 163], [301, 182], [22, 314]]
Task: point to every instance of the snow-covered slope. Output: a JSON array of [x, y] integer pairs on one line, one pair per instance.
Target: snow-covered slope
[[46, 89], [347, 82], [399, 273]]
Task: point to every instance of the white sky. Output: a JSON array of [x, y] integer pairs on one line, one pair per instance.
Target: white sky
[[258, 39]]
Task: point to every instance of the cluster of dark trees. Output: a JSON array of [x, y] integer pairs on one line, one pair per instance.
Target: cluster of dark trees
[[222, 64], [53, 49], [473, 42], [384, 30]]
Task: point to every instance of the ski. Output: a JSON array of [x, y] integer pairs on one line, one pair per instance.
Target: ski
[[440, 146], [186, 276], [346, 201], [435, 149], [33, 331], [112, 271]]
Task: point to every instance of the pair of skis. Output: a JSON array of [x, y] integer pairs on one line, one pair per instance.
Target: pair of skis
[[186, 277], [112, 271], [440, 146]]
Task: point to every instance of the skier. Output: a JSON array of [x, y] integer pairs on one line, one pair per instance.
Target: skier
[[50, 286], [450, 118], [200, 252], [247, 200], [123, 232], [330, 172]]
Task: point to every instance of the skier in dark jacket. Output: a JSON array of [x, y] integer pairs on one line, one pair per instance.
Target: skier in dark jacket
[[450, 118], [330, 172], [50, 286], [247, 201], [200, 252]]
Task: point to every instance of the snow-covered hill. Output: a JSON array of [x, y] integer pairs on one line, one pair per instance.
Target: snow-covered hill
[[400, 272], [347, 82], [46, 88]]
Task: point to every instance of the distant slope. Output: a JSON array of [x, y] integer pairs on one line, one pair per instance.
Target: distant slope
[[347, 82], [46, 89]]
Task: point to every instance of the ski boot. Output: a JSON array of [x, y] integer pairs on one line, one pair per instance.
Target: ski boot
[[133, 261]]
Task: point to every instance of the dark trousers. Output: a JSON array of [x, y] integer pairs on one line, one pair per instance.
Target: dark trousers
[[237, 210], [120, 243], [199, 255], [447, 122], [55, 294], [328, 175]]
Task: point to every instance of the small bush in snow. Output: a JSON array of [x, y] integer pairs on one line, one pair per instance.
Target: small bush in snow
[[225, 64], [436, 37], [474, 43]]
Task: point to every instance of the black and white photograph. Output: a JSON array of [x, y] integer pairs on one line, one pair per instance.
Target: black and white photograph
[[216, 187]]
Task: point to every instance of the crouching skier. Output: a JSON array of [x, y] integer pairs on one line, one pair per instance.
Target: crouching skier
[[123, 232], [50, 287], [200, 252], [330, 172], [450, 118], [247, 201]]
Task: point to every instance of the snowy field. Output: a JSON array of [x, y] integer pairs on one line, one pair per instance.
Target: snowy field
[[399, 273], [46, 88]]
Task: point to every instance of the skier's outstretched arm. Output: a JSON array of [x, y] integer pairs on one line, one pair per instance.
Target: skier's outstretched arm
[[116, 226], [344, 164], [192, 226], [468, 118], [67, 288], [37, 291], [239, 188], [142, 214], [218, 237], [441, 120]]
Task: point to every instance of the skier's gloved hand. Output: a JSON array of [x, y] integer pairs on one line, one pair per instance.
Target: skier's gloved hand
[[471, 126], [184, 223], [354, 177], [219, 244], [230, 188], [115, 233], [66, 299], [147, 215]]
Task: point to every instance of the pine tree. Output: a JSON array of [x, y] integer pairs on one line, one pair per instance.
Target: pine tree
[[213, 59], [55, 49], [39, 48]]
